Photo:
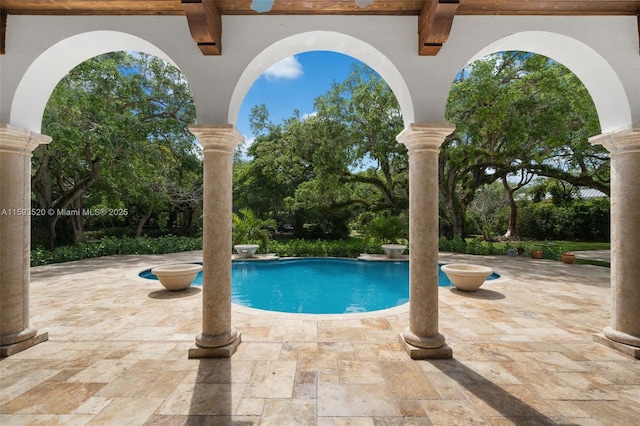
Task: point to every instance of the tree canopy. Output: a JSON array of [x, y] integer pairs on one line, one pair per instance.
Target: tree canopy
[[518, 115], [327, 167], [120, 145]]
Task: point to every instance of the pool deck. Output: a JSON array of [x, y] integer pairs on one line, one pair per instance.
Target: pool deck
[[523, 353]]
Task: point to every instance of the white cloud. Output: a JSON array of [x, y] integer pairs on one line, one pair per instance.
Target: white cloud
[[287, 69], [309, 115], [245, 147]]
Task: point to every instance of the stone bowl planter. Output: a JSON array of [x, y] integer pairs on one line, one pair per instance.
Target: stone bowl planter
[[393, 251], [176, 277], [466, 276], [246, 250]]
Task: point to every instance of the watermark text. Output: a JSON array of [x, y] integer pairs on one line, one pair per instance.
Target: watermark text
[[64, 212]]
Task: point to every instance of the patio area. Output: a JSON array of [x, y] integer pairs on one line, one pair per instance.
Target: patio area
[[523, 353]]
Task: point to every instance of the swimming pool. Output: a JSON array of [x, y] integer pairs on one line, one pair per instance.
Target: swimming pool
[[319, 285]]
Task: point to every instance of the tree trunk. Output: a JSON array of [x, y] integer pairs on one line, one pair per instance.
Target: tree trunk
[[512, 230], [51, 222], [77, 220], [142, 222], [457, 213], [298, 226]]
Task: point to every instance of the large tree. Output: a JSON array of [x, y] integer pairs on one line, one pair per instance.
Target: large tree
[[322, 168], [267, 182], [119, 128], [358, 121], [517, 115]]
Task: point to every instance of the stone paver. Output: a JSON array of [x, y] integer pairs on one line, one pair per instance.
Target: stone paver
[[117, 354], [601, 255]]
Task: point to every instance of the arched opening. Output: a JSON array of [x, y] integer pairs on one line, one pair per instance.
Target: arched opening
[[40, 79], [20, 137], [323, 40], [589, 66], [620, 138], [323, 160], [121, 158], [523, 122]]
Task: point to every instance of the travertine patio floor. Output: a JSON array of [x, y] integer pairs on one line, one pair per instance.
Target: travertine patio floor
[[117, 354]]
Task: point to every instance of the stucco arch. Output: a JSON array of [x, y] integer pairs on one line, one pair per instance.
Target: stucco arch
[[42, 76], [600, 79], [329, 41]]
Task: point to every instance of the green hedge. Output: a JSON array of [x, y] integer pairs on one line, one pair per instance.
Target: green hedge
[[582, 220], [351, 248], [172, 244], [112, 245], [458, 245], [323, 248]]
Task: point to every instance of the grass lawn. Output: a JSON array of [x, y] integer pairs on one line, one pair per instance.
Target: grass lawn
[[565, 245], [581, 245]]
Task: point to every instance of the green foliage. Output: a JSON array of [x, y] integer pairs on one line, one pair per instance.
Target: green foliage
[[249, 229], [487, 211], [385, 229], [455, 245], [472, 246], [111, 245], [584, 220], [551, 250], [517, 114], [583, 245], [324, 169], [120, 141], [324, 248]]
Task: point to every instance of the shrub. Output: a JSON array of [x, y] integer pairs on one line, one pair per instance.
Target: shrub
[[584, 220], [323, 248], [386, 229], [551, 251], [250, 229], [112, 245], [458, 245], [454, 245]]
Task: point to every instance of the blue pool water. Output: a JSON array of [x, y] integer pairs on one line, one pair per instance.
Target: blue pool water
[[319, 286]]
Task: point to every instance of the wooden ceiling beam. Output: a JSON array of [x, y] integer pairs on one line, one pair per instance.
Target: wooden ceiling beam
[[3, 32], [205, 24], [434, 25]]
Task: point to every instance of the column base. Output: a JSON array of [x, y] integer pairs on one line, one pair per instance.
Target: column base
[[220, 352], [415, 352], [621, 337], [14, 348], [632, 351]]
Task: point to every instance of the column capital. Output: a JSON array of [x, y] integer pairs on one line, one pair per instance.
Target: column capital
[[619, 142], [16, 140], [217, 137], [425, 136]]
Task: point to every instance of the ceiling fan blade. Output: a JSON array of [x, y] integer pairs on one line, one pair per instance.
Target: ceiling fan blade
[[262, 6]]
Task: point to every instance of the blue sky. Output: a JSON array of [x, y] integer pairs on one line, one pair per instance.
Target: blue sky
[[294, 83]]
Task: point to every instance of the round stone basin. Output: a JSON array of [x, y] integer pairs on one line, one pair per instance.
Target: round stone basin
[[178, 276], [246, 250], [466, 276], [394, 251]]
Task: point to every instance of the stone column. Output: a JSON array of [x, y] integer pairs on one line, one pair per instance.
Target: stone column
[[217, 339], [16, 146], [422, 339], [624, 332]]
